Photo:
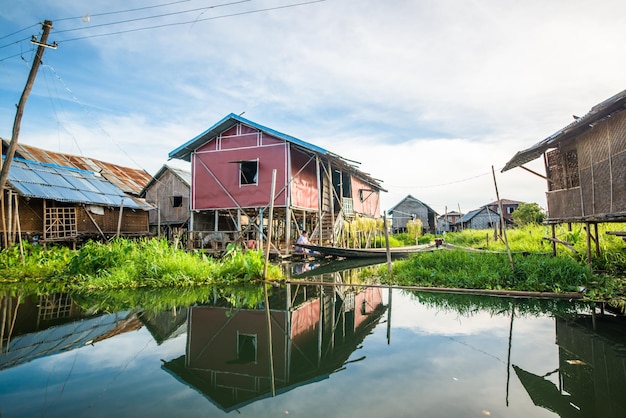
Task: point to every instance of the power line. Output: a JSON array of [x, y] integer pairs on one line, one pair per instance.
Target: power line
[[122, 11], [16, 55], [21, 30], [446, 184], [151, 17], [192, 21]]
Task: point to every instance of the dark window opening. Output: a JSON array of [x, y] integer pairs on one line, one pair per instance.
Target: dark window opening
[[249, 172], [177, 201], [246, 348]]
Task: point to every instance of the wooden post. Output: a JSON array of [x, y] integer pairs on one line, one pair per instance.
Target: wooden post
[[10, 217], [5, 241], [119, 220], [389, 269], [269, 224], [553, 227], [588, 243], [506, 241], [267, 304], [4, 173], [595, 228], [19, 228]]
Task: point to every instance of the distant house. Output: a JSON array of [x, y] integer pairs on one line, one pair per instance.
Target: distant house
[[169, 192], [585, 165], [232, 166], [57, 200], [482, 218], [448, 221], [409, 209], [508, 207]]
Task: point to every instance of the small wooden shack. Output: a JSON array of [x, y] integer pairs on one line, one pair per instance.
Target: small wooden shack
[[235, 166], [169, 192], [585, 165], [409, 209], [47, 203]]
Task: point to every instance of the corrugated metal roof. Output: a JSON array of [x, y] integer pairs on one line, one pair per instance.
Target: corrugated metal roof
[[184, 151], [65, 184], [129, 180], [599, 111]]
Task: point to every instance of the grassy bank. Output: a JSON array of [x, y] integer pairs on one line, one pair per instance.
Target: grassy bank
[[534, 268], [127, 264]]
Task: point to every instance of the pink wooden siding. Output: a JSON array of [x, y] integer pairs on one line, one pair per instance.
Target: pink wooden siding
[[370, 205], [304, 191], [216, 175]]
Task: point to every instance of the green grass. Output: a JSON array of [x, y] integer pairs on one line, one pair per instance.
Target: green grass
[[605, 279], [466, 270], [128, 264]]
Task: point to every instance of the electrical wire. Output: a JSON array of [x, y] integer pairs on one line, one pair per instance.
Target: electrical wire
[[16, 32], [137, 19], [192, 21], [413, 186], [123, 11]]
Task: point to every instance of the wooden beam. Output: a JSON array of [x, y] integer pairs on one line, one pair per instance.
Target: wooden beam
[[558, 241]]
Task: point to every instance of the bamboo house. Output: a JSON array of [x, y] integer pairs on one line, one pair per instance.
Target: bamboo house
[[585, 165]]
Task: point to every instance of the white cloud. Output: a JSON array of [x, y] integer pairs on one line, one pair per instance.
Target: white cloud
[[427, 95]]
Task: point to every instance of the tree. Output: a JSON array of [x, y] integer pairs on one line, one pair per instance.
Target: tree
[[527, 214]]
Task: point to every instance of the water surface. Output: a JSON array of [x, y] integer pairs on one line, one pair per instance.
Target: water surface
[[337, 351]]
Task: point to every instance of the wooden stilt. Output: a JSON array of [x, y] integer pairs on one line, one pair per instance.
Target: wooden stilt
[[5, 241], [19, 228]]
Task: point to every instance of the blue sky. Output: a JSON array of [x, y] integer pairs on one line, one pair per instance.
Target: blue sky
[[426, 95]]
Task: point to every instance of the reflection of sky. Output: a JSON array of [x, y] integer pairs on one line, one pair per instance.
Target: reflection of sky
[[437, 365]]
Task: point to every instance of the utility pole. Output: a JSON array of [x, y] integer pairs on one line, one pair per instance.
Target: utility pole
[[47, 26]]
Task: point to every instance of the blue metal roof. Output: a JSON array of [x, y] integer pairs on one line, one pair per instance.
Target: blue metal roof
[[65, 184], [184, 151]]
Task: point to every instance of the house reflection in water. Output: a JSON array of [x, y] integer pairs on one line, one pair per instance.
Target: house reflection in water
[[592, 369], [39, 326], [315, 329]]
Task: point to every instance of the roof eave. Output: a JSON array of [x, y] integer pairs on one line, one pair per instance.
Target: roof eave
[[580, 125]]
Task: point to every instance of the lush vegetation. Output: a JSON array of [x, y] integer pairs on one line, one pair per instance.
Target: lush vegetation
[[469, 270], [128, 264], [534, 267]]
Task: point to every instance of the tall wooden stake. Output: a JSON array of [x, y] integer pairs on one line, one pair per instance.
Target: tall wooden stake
[[4, 173], [267, 302], [506, 241]]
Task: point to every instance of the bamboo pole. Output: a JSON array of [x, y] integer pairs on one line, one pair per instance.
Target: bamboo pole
[[5, 240], [506, 241], [19, 229], [119, 219], [267, 305]]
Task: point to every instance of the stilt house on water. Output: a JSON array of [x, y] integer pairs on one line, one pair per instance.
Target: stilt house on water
[[585, 166], [232, 166], [53, 197], [168, 192]]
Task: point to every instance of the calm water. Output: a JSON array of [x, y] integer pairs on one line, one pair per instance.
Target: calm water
[[337, 351]]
